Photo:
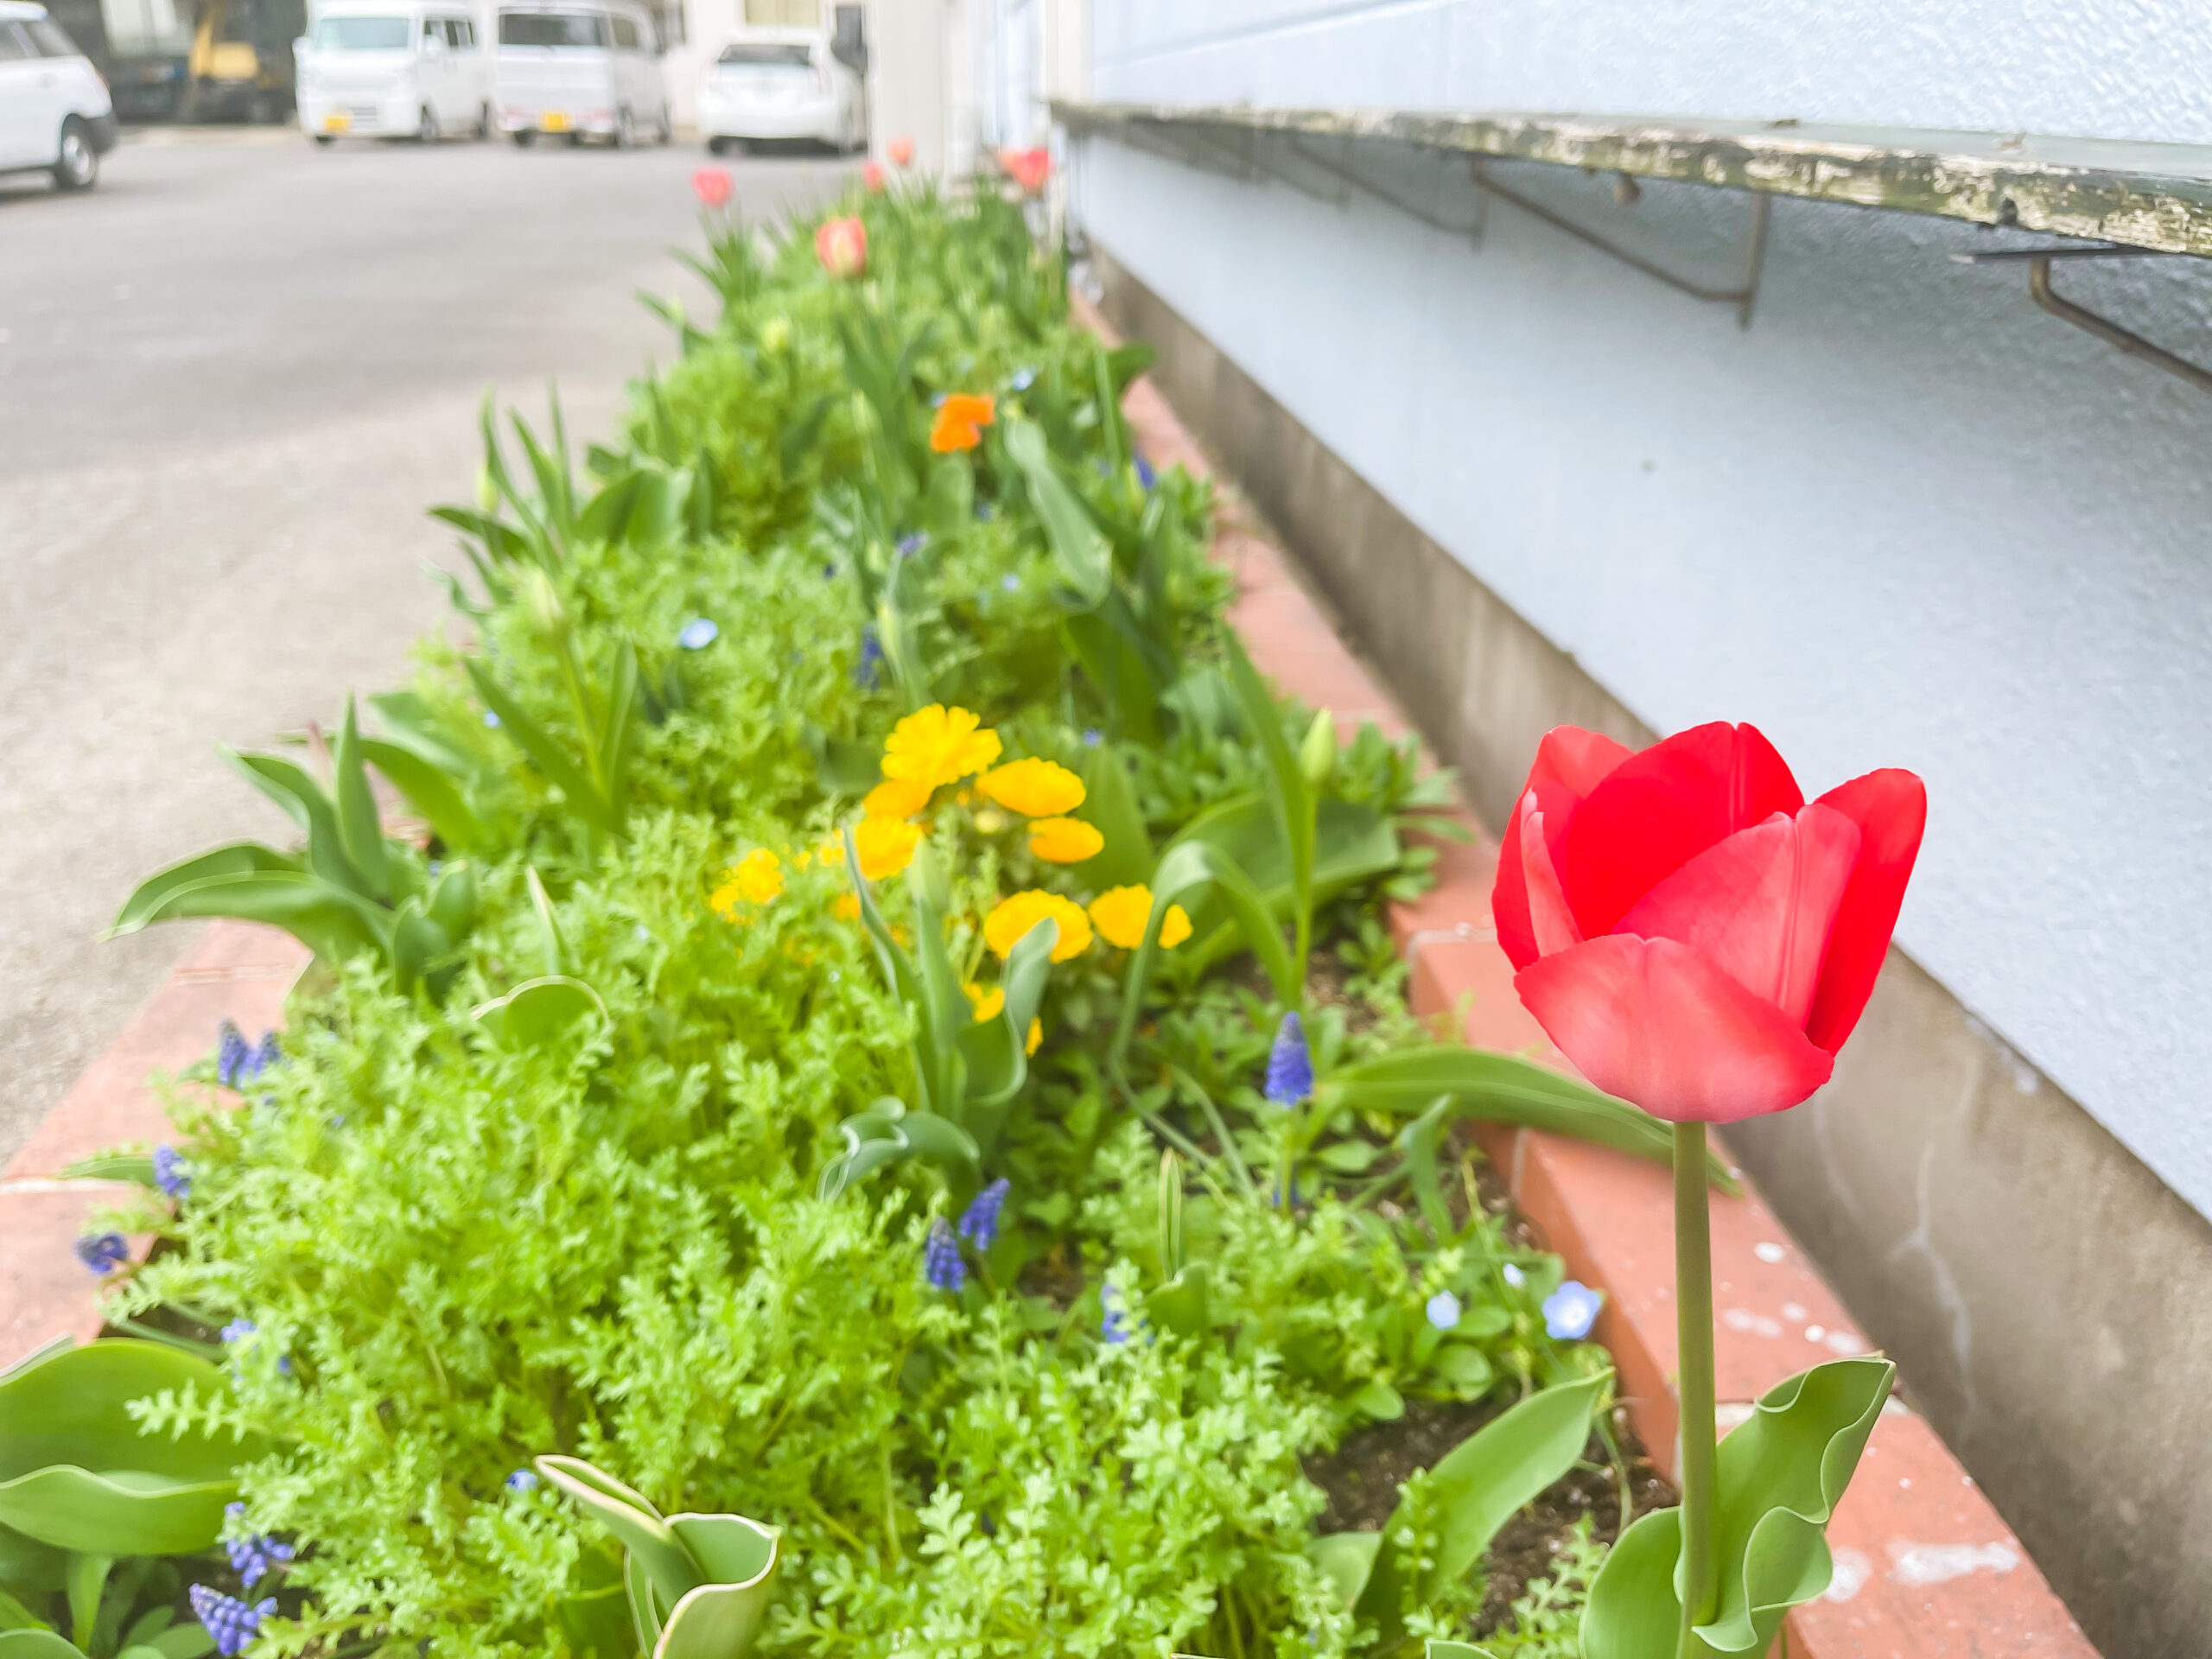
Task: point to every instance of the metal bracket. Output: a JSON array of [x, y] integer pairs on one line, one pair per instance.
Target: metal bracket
[[2038, 262], [1744, 296]]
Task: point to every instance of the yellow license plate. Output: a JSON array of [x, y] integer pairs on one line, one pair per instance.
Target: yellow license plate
[[554, 121], [337, 121]]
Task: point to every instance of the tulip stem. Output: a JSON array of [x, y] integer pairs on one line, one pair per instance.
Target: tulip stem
[[1693, 1340]]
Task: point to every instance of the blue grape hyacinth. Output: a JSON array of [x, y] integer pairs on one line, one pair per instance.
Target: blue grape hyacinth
[[254, 1557], [941, 1262], [104, 1252], [1114, 1323], [698, 633], [1290, 1063], [238, 1062], [866, 673], [1570, 1310], [233, 1623], [1146, 476], [979, 1223], [170, 1173]]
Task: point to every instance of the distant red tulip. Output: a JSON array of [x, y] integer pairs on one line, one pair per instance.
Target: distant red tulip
[[1694, 936], [1027, 167], [900, 150], [842, 246], [871, 177], [712, 186]]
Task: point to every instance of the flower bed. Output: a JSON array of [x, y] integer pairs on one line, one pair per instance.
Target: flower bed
[[887, 1044]]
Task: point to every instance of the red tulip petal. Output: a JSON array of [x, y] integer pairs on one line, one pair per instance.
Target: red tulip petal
[[1760, 905], [1549, 919], [1891, 809], [1570, 763], [1662, 808], [1655, 1022]]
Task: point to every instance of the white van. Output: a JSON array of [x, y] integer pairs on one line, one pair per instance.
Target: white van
[[393, 69], [579, 67], [54, 113]]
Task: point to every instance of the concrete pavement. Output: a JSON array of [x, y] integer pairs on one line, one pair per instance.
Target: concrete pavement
[[232, 380]]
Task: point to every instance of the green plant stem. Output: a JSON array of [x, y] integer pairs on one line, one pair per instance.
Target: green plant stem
[[1694, 1341], [1229, 1148]]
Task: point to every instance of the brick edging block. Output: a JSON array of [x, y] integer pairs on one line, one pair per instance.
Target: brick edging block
[[238, 971], [1925, 1567]]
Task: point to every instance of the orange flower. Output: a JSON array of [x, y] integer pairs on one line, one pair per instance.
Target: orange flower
[[885, 846], [897, 797], [1064, 840], [1009, 924], [1034, 788], [841, 246], [1122, 913], [936, 745], [961, 419]]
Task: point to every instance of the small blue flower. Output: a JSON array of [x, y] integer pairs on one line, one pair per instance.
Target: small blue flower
[[523, 1480], [491, 718], [979, 1223], [829, 573], [698, 633], [1443, 1310], [1570, 1310], [253, 1558], [239, 1330], [1114, 1323], [1290, 1063], [1092, 737], [1011, 582], [233, 1623], [1514, 1276], [104, 1252], [1146, 476], [910, 545], [867, 673], [941, 1262], [1022, 379], [170, 1173], [983, 512], [936, 400], [284, 1365], [232, 1055]]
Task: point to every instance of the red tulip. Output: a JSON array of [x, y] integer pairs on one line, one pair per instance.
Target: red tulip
[[712, 186], [871, 177], [1693, 935], [1027, 167], [900, 150], [841, 246]]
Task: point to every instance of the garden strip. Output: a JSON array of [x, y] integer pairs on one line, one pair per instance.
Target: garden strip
[[233, 971], [1925, 1567]]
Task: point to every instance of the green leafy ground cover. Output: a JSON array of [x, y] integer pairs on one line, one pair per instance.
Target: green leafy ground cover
[[608, 1127]]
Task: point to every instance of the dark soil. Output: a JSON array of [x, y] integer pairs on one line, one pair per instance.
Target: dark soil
[[1362, 1476]]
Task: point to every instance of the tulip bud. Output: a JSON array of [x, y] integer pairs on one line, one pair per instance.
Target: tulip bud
[[901, 151], [927, 879], [487, 491], [872, 178], [842, 246], [1317, 756], [542, 603], [776, 334]]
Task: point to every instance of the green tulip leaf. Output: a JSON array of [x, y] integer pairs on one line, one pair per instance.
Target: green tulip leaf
[[1110, 805], [37, 1644], [637, 1525], [1183, 1305], [112, 1166], [720, 1619], [75, 1472], [431, 789], [239, 858], [539, 1014], [1777, 1480], [1185, 869], [1085, 560], [888, 1134], [1347, 1559], [1439, 1649]]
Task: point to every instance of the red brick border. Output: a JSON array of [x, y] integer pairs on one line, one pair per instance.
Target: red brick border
[[1926, 1569], [234, 970]]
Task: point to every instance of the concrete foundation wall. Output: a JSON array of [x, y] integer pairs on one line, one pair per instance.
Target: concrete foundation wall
[[2041, 1288]]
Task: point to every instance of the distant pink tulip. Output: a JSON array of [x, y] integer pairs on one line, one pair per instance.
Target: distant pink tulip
[[871, 177], [1027, 167], [712, 186], [901, 151], [842, 246]]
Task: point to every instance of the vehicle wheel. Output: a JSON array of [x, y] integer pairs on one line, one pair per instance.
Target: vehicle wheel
[[576, 141], [626, 129], [717, 146], [326, 139], [76, 164], [665, 134], [483, 123], [426, 128], [525, 137]]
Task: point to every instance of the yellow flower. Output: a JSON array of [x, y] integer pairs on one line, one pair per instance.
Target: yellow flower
[[1006, 925], [1120, 913], [1064, 840], [885, 846], [990, 820], [987, 1003], [1036, 1036], [757, 877], [896, 798], [1034, 788], [938, 745], [847, 907]]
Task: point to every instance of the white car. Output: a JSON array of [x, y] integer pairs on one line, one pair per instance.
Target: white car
[[392, 69], [782, 83], [54, 113], [577, 69]]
